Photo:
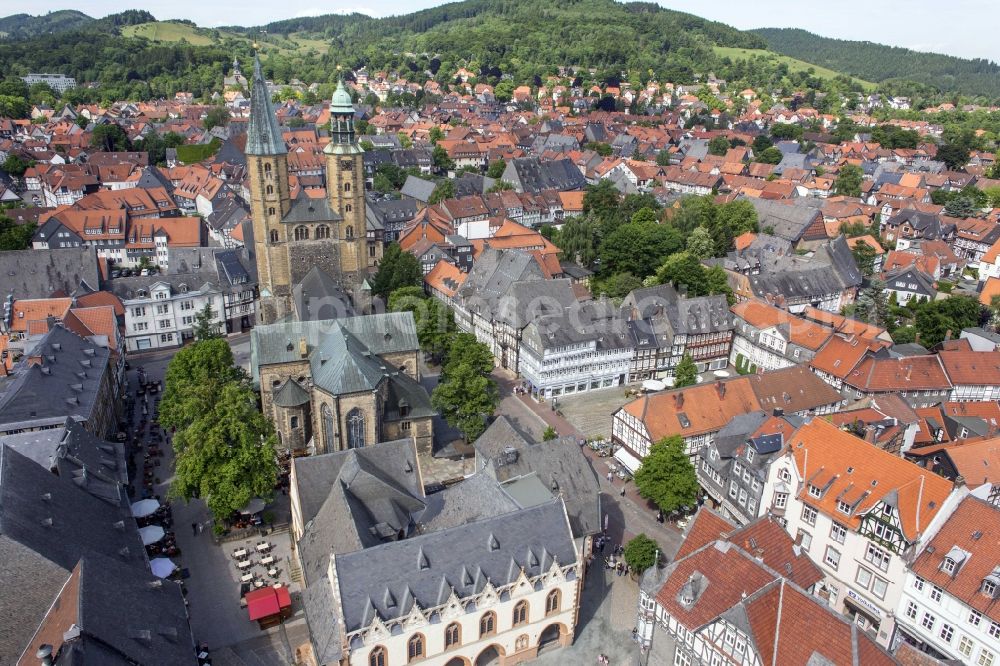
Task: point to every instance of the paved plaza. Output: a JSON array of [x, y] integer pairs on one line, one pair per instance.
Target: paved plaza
[[591, 412]]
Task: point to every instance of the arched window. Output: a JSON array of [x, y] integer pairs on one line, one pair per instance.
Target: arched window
[[552, 603], [274, 235], [270, 189], [328, 428], [355, 429], [322, 231], [301, 233], [521, 643], [295, 424], [348, 208], [520, 613], [452, 635], [377, 657], [347, 187], [415, 647], [488, 624], [349, 232], [267, 171], [270, 211]]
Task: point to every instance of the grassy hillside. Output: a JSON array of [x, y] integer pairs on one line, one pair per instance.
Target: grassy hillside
[[793, 64], [880, 63], [173, 31]]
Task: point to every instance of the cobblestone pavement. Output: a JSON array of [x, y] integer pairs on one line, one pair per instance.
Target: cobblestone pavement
[[590, 413], [607, 617], [213, 592]]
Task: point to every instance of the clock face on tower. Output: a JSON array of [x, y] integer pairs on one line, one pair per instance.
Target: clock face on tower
[[346, 165]]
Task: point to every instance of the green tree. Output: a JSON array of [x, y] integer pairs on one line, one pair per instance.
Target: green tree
[[769, 156], [701, 244], [667, 477], [663, 158], [205, 326], [194, 381], [719, 145], [397, 269], [933, 320], [599, 147], [549, 434], [500, 186], [686, 372], [496, 168], [406, 299], [618, 285], [443, 190], [367, 145], [435, 134], [15, 236], [433, 319], [601, 199], [638, 248], [641, 553], [404, 140], [217, 116], [848, 182], [872, 305], [227, 455], [15, 166], [14, 107], [864, 257], [382, 184], [466, 396], [109, 138], [441, 160], [960, 206], [786, 131], [761, 143], [954, 155], [683, 270], [578, 240]]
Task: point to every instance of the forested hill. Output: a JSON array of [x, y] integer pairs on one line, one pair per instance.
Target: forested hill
[[880, 63], [24, 25], [530, 35]]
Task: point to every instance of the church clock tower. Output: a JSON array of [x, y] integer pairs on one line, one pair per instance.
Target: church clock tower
[[270, 201], [345, 187]]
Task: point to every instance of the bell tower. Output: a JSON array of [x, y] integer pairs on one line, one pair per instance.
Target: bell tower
[[345, 187], [267, 170]]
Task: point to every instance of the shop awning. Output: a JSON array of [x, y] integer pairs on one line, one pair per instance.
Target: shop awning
[[267, 601], [628, 461]]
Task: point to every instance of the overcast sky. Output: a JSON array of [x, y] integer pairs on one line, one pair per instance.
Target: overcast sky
[[964, 28]]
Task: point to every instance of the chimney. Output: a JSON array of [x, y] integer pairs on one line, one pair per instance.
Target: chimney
[[959, 481], [916, 338], [303, 347], [679, 399], [909, 370], [720, 388], [44, 654]]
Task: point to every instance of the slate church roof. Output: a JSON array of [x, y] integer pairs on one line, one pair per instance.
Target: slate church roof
[[263, 133]]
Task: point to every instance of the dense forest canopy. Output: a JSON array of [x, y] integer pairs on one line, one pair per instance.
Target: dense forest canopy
[[509, 40], [881, 63]]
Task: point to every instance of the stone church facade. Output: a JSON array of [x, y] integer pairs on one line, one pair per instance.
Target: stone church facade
[[342, 384], [291, 236]]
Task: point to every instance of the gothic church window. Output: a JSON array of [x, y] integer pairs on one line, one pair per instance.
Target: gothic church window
[[322, 231], [355, 429], [267, 172], [270, 189], [347, 187], [348, 208], [349, 232], [274, 235], [328, 429], [301, 233]]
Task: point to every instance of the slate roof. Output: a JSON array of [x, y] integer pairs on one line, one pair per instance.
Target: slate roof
[[65, 383], [388, 579], [378, 333], [559, 464], [317, 296], [39, 273], [493, 274], [47, 524], [417, 188], [290, 394], [534, 175], [789, 221], [305, 209], [263, 133]]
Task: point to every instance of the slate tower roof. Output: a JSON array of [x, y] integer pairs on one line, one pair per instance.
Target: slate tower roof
[[263, 132]]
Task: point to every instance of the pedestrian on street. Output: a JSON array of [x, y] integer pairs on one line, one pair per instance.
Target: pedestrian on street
[[194, 529], [623, 491], [610, 477]]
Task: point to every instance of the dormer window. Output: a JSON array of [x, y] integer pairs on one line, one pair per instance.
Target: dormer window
[[844, 507], [952, 562], [991, 583], [750, 454], [815, 491]]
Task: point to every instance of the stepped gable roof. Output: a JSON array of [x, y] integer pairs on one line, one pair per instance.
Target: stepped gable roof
[[263, 133]]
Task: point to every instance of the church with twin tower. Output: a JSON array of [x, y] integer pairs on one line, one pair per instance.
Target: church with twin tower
[[293, 236]]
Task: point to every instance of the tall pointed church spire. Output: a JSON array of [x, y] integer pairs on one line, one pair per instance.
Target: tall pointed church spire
[[263, 132]]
